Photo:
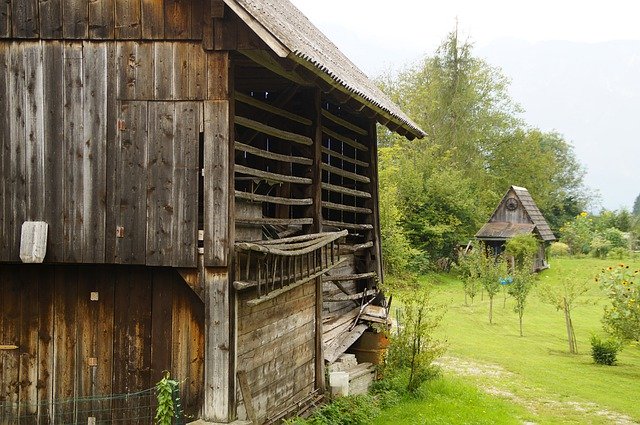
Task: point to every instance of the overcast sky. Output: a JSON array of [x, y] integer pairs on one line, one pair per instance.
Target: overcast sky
[[380, 35]]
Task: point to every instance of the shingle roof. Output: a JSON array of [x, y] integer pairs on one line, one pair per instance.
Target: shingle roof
[[500, 230], [305, 42], [534, 213]]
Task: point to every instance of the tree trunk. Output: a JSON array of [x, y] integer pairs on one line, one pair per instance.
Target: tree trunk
[[520, 317], [491, 310]]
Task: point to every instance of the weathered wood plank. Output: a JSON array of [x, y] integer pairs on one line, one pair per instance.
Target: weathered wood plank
[[135, 70], [349, 208], [132, 341], [181, 73], [128, 19], [24, 18], [177, 19], [275, 221], [161, 329], [101, 19], [161, 163], [132, 211], [216, 182], [352, 226], [112, 153], [163, 75], [34, 132], [246, 99], [344, 123], [344, 139], [5, 146], [272, 131], [64, 326], [152, 17], [217, 342], [50, 17], [272, 199], [188, 118], [271, 155], [17, 143], [75, 20], [271, 176], [46, 340], [347, 174], [345, 190], [5, 19], [29, 334], [343, 342], [74, 172], [94, 151], [338, 155], [102, 336], [10, 359], [196, 67]]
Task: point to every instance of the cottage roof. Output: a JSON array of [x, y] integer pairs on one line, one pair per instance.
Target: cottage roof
[[499, 229], [290, 34]]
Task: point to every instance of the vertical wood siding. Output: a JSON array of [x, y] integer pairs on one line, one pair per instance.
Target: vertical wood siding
[[144, 322], [100, 135], [103, 19]]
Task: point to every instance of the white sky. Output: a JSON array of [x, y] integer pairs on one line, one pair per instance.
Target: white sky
[[378, 35]]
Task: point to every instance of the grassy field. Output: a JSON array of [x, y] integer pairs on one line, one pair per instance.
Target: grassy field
[[536, 371]]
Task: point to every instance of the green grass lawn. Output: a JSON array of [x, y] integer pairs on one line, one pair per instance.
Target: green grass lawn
[[538, 365], [451, 401]]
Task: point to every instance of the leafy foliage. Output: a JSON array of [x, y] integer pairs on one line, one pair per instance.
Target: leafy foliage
[[350, 410], [413, 346], [519, 289], [522, 248], [564, 297], [166, 410], [438, 191], [622, 286], [604, 352], [558, 249]]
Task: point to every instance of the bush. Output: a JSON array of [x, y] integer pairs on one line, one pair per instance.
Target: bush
[[622, 317], [619, 253], [604, 352], [559, 249]]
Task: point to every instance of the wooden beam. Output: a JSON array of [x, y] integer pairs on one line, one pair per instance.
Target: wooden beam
[[265, 59], [345, 190], [267, 175], [272, 131], [347, 174], [272, 199], [342, 278], [271, 155], [353, 226], [341, 207], [248, 100], [246, 396], [335, 154], [344, 123], [344, 139], [275, 221], [217, 406]]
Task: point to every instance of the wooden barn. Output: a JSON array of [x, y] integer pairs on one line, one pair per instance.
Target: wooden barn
[[517, 214], [182, 183]]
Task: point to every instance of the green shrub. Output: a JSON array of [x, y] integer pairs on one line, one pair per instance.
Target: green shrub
[[559, 249], [604, 352], [619, 253]]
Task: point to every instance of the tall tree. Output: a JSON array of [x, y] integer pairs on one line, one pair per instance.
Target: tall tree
[[636, 206]]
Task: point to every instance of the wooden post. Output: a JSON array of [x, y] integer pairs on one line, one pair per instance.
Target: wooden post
[[218, 269], [373, 176], [316, 194]]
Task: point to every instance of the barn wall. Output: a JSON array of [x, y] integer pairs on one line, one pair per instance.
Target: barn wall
[[101, 136], [144, 321], [104, 19], [275, 347]]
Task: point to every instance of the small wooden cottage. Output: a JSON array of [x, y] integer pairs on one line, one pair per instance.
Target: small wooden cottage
[[517, 214], [194, 175]]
